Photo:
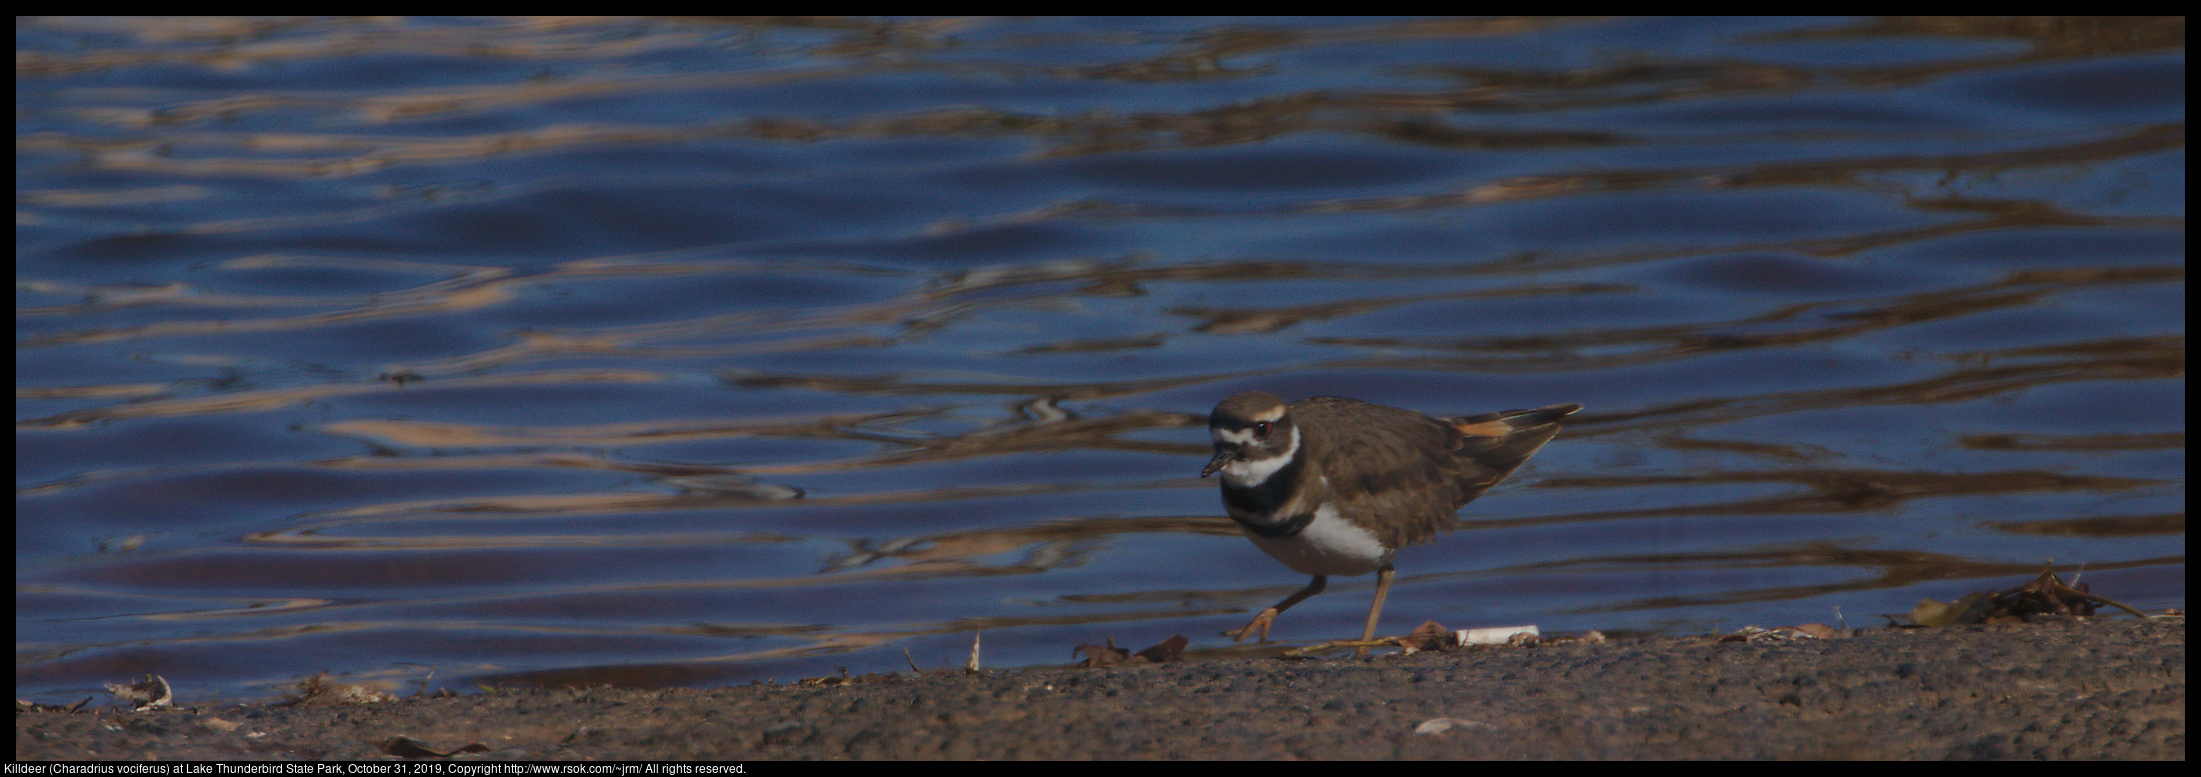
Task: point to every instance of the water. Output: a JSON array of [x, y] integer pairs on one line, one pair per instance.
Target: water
[[698, 352]]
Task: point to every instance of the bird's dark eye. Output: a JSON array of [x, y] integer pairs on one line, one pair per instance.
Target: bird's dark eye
[[1261, 430]]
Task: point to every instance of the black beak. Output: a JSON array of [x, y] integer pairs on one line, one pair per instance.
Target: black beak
[[1223, 456]]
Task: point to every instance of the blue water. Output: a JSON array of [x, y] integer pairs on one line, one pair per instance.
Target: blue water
[[696, 352]]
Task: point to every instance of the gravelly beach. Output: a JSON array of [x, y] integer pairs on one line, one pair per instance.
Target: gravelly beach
[[2091, 688]]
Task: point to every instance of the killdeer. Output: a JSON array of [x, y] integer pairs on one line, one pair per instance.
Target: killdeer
[[1335, 486]]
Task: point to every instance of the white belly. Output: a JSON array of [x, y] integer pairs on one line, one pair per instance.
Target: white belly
[[1328, 546]]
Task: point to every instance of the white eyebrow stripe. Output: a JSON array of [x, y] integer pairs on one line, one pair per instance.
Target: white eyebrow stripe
[[1234, 436]]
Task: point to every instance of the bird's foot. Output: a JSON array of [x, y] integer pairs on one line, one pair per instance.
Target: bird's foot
[[1259, 623]]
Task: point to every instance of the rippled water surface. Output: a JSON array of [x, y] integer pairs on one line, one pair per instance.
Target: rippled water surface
[[697, 352]]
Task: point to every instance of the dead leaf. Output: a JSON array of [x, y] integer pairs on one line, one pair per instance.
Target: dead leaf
[[152, 694], [1430, 635], [1166, 650], [408, 747], [2046, 595], [1101, 656]]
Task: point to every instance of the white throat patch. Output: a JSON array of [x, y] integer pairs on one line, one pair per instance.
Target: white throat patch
[[1247, 474]]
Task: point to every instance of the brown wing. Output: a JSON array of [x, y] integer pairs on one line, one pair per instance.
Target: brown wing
[[1386, 464], [1418, 471]]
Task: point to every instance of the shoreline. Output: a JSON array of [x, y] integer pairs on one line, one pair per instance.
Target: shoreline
[[2056, 688]]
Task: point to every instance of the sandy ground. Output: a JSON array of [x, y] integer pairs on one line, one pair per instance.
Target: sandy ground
[[2091, 688]]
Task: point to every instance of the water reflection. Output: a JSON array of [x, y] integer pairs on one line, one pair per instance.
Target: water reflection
[[580, 351]]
